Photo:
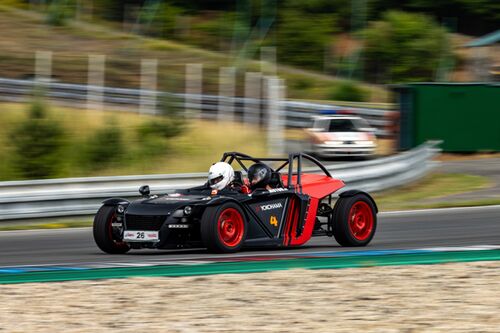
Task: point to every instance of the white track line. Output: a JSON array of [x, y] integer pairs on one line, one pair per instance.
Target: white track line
[[196, 259]]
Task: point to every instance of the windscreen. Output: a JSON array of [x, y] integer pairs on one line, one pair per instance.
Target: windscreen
[[342, 125]]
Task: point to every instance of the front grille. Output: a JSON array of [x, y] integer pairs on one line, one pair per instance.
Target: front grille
[[144, 222]]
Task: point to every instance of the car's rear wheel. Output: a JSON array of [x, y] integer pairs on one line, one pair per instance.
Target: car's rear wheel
[[355, 220], [224, 228], [103, 232]]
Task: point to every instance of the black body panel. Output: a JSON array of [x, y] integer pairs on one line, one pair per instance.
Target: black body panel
[[265, 213]]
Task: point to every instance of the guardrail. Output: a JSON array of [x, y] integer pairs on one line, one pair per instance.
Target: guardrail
[[82, 196], [297, 113]]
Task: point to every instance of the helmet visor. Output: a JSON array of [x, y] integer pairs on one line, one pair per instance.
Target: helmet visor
[[258, 176], [215, 180]]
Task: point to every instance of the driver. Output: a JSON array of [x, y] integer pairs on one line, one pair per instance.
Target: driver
[[259, 176], [220, 175]]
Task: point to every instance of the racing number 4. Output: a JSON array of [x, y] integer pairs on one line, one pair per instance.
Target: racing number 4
[[273, 221]]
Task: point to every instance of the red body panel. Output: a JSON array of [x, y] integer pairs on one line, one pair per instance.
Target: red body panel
[[316, 186], [291, 217], [308, 226]]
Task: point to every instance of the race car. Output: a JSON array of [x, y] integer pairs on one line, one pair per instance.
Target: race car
[[290, 208], [341, 136]]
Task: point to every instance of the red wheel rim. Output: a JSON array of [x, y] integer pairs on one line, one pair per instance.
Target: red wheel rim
[[361, 220], [230, 227]]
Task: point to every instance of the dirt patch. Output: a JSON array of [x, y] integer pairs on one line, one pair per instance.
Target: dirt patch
[[461, 297]]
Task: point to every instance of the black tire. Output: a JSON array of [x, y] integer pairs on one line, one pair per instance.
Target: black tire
[[103, 236], [354, 226], [213, 233]]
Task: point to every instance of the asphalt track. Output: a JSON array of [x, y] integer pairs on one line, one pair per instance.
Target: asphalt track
[[455, 227]]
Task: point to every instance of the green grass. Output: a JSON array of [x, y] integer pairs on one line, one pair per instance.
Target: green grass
[[195, 150], [435, 187]]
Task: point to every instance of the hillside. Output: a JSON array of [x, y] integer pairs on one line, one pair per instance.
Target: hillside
[[24, 32]]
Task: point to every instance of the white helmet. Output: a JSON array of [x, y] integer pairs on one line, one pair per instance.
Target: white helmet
[[220, 175]]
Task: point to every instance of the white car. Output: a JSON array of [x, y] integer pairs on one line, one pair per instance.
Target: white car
[[333, 136]]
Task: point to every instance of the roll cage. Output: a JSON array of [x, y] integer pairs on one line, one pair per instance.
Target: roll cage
[[230, 157]]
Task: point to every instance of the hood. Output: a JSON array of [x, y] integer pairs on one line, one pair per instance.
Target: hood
[[164, 204], [176, 199]]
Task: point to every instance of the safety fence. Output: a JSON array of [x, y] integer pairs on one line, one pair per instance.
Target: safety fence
[[83, 196], [297, 114]]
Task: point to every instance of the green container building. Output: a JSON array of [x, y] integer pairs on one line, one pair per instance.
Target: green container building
[[466, 117]]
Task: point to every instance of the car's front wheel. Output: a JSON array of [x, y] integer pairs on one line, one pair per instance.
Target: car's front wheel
[[355, 220], [224, 228], [103, 232]]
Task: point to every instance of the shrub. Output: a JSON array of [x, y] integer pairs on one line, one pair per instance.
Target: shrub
[[59, 11], [37, 144], [169, 123], [161, 18], [217, 32], [348, 91], [105, 147], [404, 47], [302, 83]]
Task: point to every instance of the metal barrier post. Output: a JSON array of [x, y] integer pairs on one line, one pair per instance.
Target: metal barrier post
[[274, 115], [226, 94], [43, 68], [251, 111], [149, 69], [194, 89], [95, 86]]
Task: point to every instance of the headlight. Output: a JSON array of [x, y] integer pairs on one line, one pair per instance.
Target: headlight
[[120, 209], [188, 210]]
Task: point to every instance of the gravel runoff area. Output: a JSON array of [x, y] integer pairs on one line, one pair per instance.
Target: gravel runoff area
[[459, 297]]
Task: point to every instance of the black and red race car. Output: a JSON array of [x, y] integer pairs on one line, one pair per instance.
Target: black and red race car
[[294, 207]]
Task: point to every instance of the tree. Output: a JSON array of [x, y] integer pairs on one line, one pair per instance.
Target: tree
[[37, 143], [303, 38], [476, 17], [404, 47]]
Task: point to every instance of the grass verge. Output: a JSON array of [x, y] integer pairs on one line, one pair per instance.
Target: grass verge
[[48, 225], [435, 187], [466, 203], [195, 150]]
